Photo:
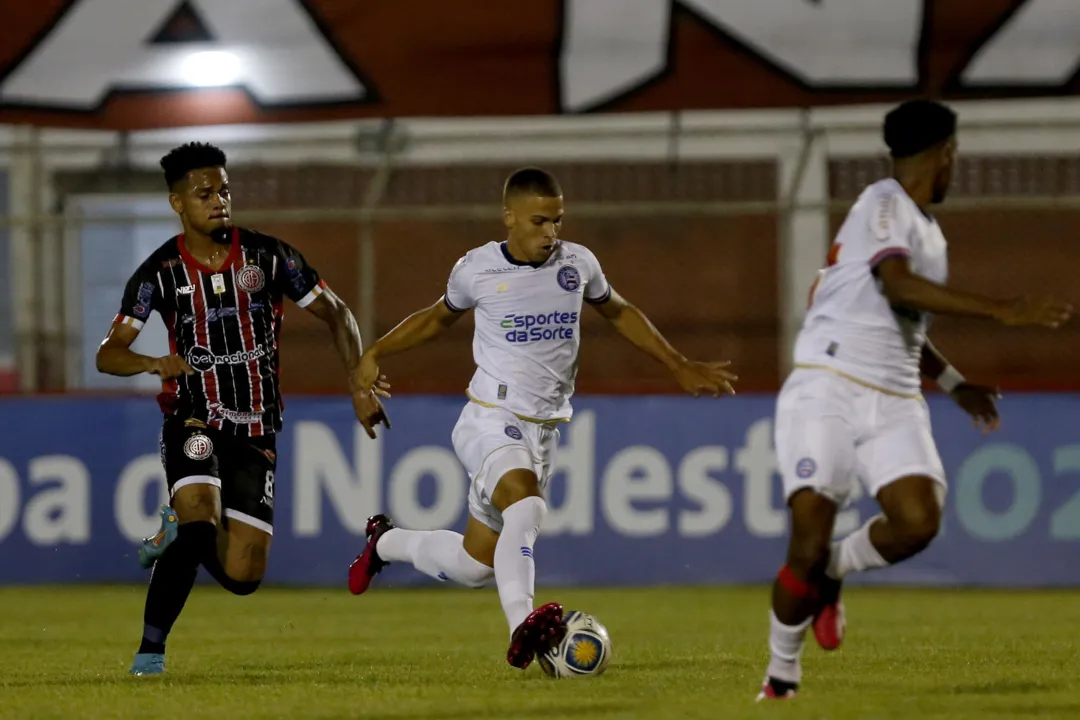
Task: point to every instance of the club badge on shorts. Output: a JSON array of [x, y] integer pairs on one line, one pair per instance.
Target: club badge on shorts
[[198, 447], [805, 468]]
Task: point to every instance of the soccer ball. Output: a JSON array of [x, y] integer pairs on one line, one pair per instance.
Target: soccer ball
[[584, 651]]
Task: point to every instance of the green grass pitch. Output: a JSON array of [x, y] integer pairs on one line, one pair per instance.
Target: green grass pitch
[[438, 654]]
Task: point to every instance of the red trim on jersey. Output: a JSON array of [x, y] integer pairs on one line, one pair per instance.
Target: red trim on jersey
[[202, 339], [247, 334], [192, 262], [888, 253]]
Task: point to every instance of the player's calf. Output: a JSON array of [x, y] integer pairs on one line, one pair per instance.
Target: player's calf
[[797, 590], [517, 497]]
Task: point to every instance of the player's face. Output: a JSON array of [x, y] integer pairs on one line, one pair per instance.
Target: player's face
[[946, 163], [533, 223], [204, 202]]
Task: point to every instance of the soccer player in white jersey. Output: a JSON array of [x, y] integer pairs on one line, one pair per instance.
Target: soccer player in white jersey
[[851, 411], [527, 293]]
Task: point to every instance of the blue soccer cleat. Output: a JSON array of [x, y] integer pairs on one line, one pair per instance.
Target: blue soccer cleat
[[148, 664], [153, 547]]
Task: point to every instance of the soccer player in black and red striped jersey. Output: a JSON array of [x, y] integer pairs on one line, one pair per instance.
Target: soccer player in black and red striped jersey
[[219, 290]]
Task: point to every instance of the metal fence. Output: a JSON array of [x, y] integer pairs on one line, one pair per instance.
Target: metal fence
[[714, 223]]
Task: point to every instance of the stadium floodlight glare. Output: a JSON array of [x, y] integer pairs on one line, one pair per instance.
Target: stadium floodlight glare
[[211, 68]]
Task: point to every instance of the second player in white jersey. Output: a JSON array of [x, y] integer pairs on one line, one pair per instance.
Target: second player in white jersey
[[851, 413], [851, 325], [527, 294]]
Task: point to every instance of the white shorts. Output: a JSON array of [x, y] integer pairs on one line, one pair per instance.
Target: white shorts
[[832, 432], [491, 442]]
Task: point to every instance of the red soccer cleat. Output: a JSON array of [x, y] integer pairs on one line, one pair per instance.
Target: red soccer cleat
[[368, 564], [774, 689], [542, 630], [830, 621]]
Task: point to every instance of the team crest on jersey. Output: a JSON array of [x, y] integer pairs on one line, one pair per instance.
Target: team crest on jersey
[[569, 278], [198, 447], [250, 278], [513, 432], [805, 468]]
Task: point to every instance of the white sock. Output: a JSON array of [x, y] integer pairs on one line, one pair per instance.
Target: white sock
[[785, 649], [855, 553], [515, 573], [438, 553]]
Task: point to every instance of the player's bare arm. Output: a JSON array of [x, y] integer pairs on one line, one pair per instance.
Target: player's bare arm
[[694, 377], [903, 287], [978, 401], [333, 311], [417, 329], [115, 357]]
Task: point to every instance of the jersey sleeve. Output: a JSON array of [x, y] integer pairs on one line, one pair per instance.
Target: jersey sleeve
[[597, 288], [459, 295], [890, 229], [141, 297], [300, 282]]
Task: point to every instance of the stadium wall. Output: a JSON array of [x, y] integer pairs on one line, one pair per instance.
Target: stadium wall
[[649, 490]]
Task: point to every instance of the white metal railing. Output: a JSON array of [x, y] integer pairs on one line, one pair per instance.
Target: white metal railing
[[800, 142]]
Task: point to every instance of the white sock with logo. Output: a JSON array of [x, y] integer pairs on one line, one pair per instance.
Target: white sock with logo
[[785, 649], [438, 553], [515, 572]]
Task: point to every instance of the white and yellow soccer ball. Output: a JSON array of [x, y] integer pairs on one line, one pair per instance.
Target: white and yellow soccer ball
[[585, 651]]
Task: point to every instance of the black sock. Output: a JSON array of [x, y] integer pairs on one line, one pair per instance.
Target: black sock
[[171, 583]]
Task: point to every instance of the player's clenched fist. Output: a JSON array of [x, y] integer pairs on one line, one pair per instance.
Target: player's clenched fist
[[170, 366], [1036, 310]]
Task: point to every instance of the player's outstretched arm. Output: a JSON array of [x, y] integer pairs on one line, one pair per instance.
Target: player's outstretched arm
[[694, 377], [978, 401], [417, 329], [904, 288], [115, 357], [333, 311]]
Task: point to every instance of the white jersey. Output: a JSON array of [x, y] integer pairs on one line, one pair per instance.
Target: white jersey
[[528, 324], [850, 326]]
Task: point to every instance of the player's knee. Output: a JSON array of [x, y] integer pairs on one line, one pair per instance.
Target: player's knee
[[918, 524], [476, 576], [197, 503], [514, 486], [247, 560], [242, 587], [246, 574]]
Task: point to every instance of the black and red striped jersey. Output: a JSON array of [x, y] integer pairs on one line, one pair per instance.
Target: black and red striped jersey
[[225, 324]]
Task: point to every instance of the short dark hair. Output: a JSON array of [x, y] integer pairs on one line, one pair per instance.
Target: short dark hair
[[190, 156], [531, 181], [917, 125]]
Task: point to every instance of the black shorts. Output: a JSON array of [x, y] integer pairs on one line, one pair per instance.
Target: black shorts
[[242, 467]]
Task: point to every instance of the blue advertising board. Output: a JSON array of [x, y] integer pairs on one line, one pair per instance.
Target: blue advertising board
[[648, 490]]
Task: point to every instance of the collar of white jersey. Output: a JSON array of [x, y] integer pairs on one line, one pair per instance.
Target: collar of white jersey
[[929, 217], [521, 263]]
